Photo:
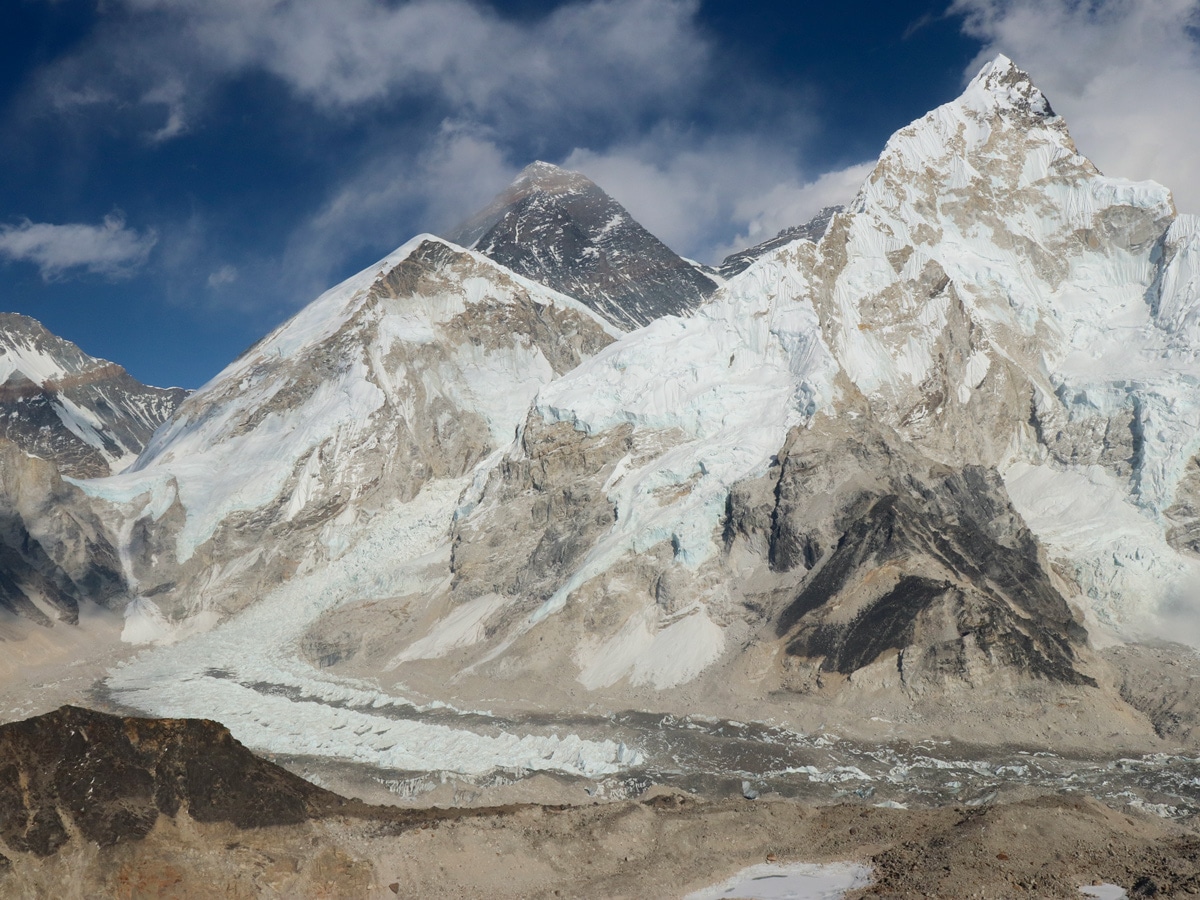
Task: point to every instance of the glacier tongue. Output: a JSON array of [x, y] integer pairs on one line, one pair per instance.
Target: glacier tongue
[[245, 672]]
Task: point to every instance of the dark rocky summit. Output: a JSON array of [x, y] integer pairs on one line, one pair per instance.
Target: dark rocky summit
[[109, 778], [560, 229]]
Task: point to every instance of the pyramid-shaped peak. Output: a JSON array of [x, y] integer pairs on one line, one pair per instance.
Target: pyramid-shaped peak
[[1001, 83], [547, 177], [559, 228]]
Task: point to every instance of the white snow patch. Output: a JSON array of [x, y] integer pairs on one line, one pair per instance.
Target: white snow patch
[[789, 881], [461, 628]]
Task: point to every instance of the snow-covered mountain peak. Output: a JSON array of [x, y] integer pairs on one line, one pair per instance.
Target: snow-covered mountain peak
[[411, 371], [87, 415], [547, 177], [1001, 83]]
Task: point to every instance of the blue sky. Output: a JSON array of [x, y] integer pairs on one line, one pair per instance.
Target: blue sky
[[178, 176]]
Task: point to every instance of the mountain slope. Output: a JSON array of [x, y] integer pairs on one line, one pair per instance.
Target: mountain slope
[[55, 553], [560, 229], [411, 372], [991, 321], [86, 415]]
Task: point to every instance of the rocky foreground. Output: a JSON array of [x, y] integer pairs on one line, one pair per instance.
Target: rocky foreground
[[99, 805]]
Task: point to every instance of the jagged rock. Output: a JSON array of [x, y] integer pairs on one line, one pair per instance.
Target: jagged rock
[[559, 228], [87, 415], [907, 556], [812, 230]]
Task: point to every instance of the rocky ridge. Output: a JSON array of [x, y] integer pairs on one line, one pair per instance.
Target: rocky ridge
[[86, 415], [812, 230]]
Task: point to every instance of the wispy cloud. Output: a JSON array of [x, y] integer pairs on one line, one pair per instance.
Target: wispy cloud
[[223, 276], [610, 58], [110, 249], [1125, 76], [710, 197]]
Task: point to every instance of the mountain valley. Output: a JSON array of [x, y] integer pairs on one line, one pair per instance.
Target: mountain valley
[[897, 511]]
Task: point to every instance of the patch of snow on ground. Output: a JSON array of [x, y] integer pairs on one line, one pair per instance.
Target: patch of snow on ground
[[792, 881], [1104, 892]]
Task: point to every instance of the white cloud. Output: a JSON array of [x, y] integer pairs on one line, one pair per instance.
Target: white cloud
[[709, 198], [109, 249], [1125, 74], [624, 81], [620, 58], [226, 274]]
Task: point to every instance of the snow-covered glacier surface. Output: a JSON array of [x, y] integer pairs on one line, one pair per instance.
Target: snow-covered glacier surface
[[723, 387], [247, 673]]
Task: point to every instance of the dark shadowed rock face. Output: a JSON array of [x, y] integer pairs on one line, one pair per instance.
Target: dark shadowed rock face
[[88, 416], [905, 556], [109, 778], [560, 229], [54, 551], [812, 230]]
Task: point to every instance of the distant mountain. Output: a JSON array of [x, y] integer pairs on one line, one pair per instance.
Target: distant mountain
[[88, 416], [560, 229], [812, 230]]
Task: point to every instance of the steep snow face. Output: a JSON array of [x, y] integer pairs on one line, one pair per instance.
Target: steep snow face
[[86, 415], [414, 370], [996, 298], [1043, 262], [989, 295], [726, 384], [559, 228]]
